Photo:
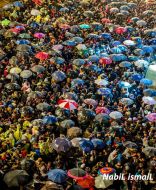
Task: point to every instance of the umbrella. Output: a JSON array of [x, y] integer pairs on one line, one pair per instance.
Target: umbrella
[[79, 62], [98, 143], [129, 43], [106, 35], [105, 61], [15, 178], [43, 106], [49, 185], [88, 14], [68, 104], [59, 60], [42, 55], [68, 123], [76, 142], [118, 57], [59, 76], [64, 26], [90, 101], [141, 63], [147, 49], [24, 35], [102, 110], [129, 144], [114, 10], [37, 122], [106, 170], [101, 82], [86, 145], [18, 4], [153, 41], [26, 74], [116, 43], [71, 96], [103, 91], [87, 182], [139, 52], [148, 13], [23, 48], [141, 23], [149, 151], [120, 30], [78, 39], [149, 100], [146, 82], [116, 50], [93, 58], [106, 20], [149, 92], [64, 9], [136, 77], [15, 70], [77, 173], [123, 84], [85, 115], [101, 183], [77, 82], [81, 47], [70, 43], [57, 175], [151, 117], [35, 94], [12, 86], [102, 118], [35, 12], [116, 115], [49, 119], [150, 32], [126, 101], [21, 42], [125, 64], [27, 110], [93, 36], [74, 132], [5, 22], [84, 26], [39, 35], [38, 69], [61, 144]]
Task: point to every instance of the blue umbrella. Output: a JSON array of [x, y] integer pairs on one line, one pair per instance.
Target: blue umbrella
[[77, 82], [70, 43], [125, 64], [18, 4], [133, 58], [64, 9], [95, 68], [104, 91], [118, 57], [34, 25], [146, 82], [151, 33], [116, 50], [135, 19], [149, 92], [104, 55], [106, 35], [59, 60], [123, 84], [93, 58], [97, 26], [86, 145], [152, 41], [130, 29], [147, 49], [57, 175], [123, 48], [139, 52], [136, 77], [98, 143], [94, 36], [78, 39], [50, 119], [22, 42], [115, 43], [79, 62]]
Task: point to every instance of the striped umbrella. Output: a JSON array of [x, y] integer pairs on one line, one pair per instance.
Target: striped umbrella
[[68, 104]]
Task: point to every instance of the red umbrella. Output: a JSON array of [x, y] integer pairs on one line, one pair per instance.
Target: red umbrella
[[39, 35], [37, 2], [68, 104], [14, 30], [102, 110], [42, 55], [105, 61], [86, 182], [105, 20], [120, 30]]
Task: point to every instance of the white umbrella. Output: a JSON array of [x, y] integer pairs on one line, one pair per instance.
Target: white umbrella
[[116, 115], [35, 12], [101, 82], [141, 63], [101, 183], [129, 43]]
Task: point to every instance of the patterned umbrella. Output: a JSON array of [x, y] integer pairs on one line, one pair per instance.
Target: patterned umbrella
[[104, 91], [61, 144], [106, 170], [68, 104]]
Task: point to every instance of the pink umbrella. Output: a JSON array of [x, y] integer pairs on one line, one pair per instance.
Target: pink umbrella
[[68, 104], [42, 55], [120, 30], [149, 100], [102, 110], [91, 102], [57, 47], [15, 30], [105, 20], [39, 35], [151, 117]]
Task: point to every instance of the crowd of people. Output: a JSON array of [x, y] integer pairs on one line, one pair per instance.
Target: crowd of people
[[75, 101]]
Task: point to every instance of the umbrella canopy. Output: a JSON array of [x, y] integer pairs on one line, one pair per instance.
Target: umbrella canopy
[[35, 94], [12, 86], [71, 96], [101, 82], [102, 118], [126, 101], [43, 106], [104, 91], [70, 43], [87, 182], [5, 22], [123, 84], [26, 74], [24, 35], [76, 142], [68, 104], [129, 144], [15, 70], [116, 115], [105, 61], [37, 122], [78, 39], [125, 64], [49, 119], [57, 47], [86, 145], [49, 185], [151, 117], [68, 123], [77, 173], [18, 4], [149, 151], [129, 43], [101, 183], [21, 42], [59, 76], [141, 23], [61, 144], [106, 170], [136, 77], [120, 30], [149, 100], [38, 69], [39, 35], [81, 47], [77, 82], [15, 178], [93, 58], [74, 132], [79, 62], [118, 57], [57, 175], [42, 55], [98, 143], [90, 101], [84, 26], [102, 110], [35, 12], [23, 48], [146, 82]]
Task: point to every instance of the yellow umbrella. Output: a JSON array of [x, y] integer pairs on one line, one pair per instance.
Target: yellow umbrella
[[15, 70]]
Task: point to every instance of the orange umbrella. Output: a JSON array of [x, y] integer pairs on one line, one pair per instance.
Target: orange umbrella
[[42, 55], [86, 182]]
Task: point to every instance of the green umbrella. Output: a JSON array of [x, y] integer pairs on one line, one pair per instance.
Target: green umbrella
[[25, 35], [5, 22]]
